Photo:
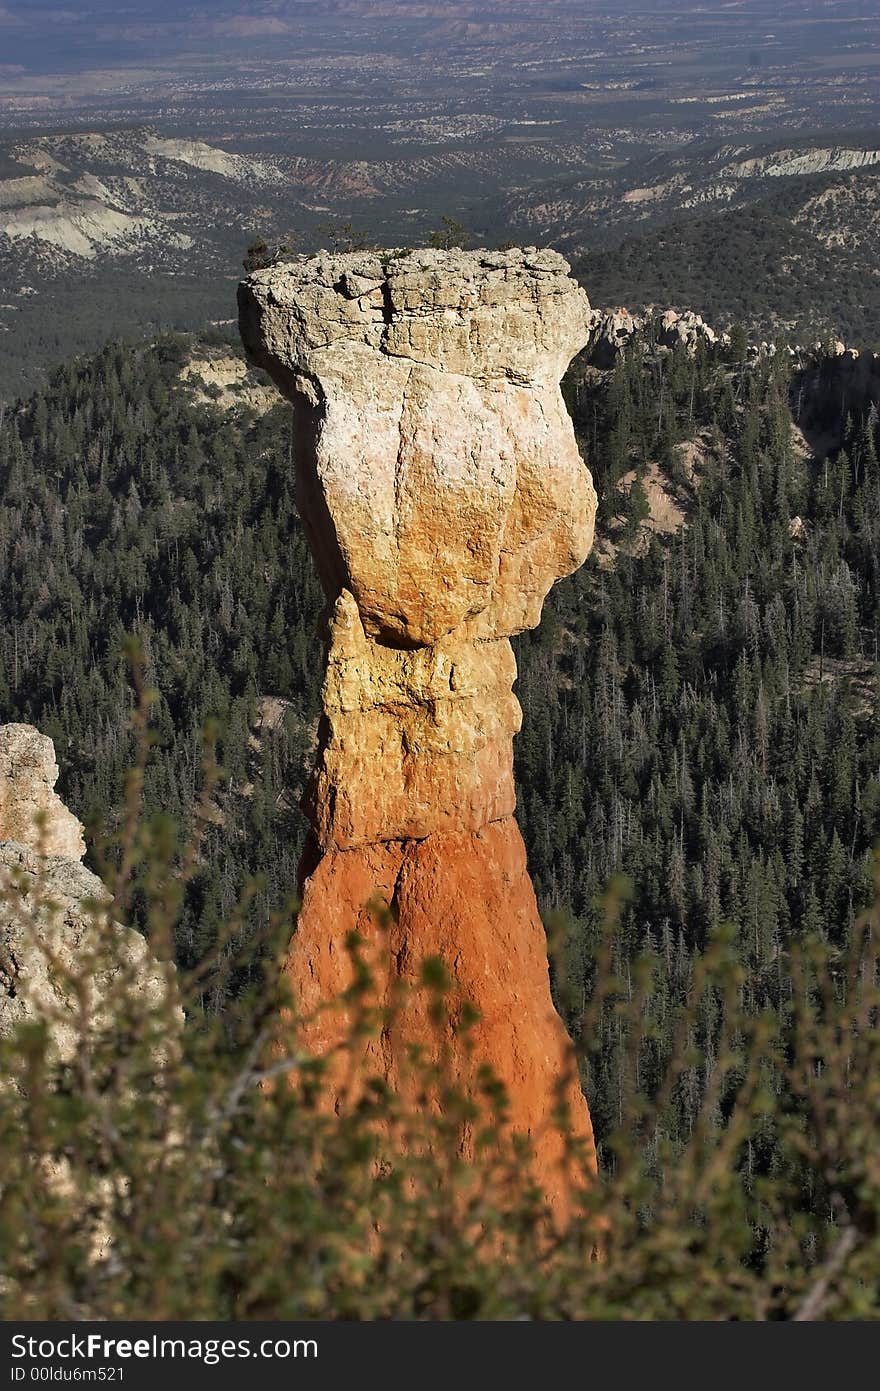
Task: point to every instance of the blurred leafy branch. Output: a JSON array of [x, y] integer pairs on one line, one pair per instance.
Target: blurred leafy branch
[[194, 1172]]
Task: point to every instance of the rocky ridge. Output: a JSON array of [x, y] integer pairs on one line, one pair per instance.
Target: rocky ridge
[[31, 812], [611, 331], [55, 929]]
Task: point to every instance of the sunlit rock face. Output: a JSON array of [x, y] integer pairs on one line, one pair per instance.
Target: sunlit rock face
[[56, 935], [440, 483], [31, 811]]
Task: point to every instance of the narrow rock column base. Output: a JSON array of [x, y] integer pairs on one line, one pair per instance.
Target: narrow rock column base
[[465, 897]]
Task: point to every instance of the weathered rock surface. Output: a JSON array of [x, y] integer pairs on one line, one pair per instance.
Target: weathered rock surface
[[436, 465], [687, 330], [465, 897], [30, 809], [853, 373], [440, 483], [54, 926], [439, 479], [415, 740], [216, 378], [612, 330]]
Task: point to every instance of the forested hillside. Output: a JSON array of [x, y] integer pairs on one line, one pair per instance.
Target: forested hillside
[[757, 265], [129, 509], [700, 707], [703, 716]]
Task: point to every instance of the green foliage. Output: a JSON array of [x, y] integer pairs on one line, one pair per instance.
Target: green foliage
[[260, 254], [126, 508], [156, 1174], [65, 316], [701, 718], [345, 236], [450, 233]]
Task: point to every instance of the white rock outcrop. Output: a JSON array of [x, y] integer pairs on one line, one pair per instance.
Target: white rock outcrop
[[440, 484], [612, 330], [30, 809], [63, 960]]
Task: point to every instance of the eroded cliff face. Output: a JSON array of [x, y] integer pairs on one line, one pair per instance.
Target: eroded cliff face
[[54, 927], [31, 811], [443, 493]]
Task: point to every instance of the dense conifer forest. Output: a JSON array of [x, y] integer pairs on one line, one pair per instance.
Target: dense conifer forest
[[129, 510], [700, 708], [702, 717], [757, 265]]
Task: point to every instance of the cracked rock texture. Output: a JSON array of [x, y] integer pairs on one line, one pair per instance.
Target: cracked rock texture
[[441, 487], [54, 925], [30, 809]]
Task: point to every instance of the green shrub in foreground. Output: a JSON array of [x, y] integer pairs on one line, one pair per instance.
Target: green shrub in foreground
[[192, 1173]]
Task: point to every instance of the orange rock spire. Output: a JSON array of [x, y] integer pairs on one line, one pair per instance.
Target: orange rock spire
[[439, 480]]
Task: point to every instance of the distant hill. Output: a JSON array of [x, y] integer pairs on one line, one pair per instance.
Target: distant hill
[[842, 171], [112, 232], [106, 233], [781, 236], [754, 266]]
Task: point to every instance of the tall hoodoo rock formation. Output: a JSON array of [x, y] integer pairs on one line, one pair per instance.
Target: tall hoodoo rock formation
[[442, 490]]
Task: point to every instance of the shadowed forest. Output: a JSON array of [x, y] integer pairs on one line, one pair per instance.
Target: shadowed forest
[[700, 706]]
